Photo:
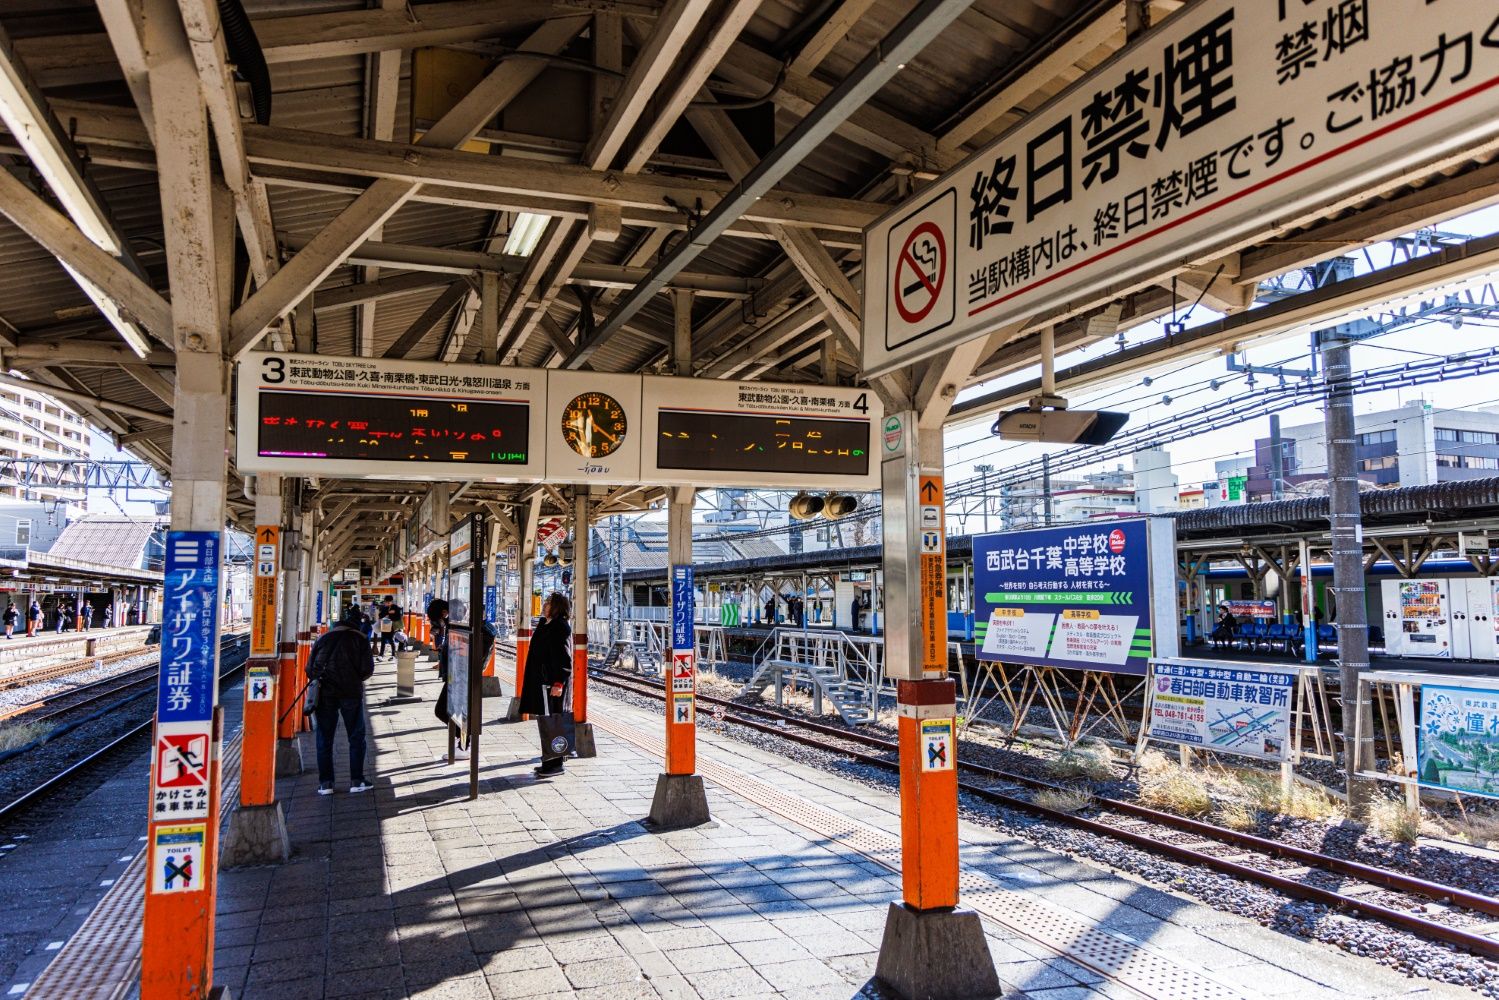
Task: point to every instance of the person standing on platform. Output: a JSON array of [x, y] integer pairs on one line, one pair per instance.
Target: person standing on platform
[[62, 615], [549, 669], [33, 618], [437, 620], [11, 617], [109, 615], [85, 615], [853, 614], [340, 662], [387, 625]]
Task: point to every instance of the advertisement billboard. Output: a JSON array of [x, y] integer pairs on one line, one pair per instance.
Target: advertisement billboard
[[1088, 596]]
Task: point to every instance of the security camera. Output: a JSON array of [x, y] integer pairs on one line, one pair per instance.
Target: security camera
[[1091, 427]]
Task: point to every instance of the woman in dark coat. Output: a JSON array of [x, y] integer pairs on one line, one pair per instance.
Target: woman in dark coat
[[548, 669]]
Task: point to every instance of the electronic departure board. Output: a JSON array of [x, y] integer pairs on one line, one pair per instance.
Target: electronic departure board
[[714, 441], [392, 428], [709, 432], [386, 419]]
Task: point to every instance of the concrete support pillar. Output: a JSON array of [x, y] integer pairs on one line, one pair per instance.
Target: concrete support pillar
[[931, 948], [584, 742], [680, 799], [257, 828]]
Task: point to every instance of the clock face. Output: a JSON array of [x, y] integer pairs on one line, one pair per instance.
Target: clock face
[[594, 424]]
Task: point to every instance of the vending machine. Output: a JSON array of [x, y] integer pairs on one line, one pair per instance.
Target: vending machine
[[1418, 617], [1473, 618]]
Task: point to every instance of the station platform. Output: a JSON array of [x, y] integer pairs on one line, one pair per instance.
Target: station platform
[[557, 889]]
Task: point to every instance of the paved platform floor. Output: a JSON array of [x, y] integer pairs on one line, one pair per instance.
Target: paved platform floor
[[555, 889]]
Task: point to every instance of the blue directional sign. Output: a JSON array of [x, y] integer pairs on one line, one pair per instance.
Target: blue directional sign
[[1077, 596], [189, 627], [681, 607], [491, 604]]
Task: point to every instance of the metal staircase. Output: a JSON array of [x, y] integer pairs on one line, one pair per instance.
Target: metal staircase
[[835, 666]]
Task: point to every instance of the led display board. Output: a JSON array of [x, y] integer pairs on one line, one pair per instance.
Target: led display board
[[387, 419], [711, 432]]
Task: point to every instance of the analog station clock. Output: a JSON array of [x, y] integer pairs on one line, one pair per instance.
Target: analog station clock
[[594, 424]]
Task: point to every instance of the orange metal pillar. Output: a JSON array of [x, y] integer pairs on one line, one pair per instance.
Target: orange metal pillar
[[583, 743], [680, 799], [257, 780], [930, 947], [304, 651]]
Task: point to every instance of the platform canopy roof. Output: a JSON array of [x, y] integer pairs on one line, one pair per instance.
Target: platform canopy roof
[[608, 129]]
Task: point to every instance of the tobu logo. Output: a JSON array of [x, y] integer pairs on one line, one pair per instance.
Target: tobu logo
[[559, 744], [1116, 541]]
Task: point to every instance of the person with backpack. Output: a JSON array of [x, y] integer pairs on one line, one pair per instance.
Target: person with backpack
[[339, 664], [387, 624], [11, 617], [33, 618]]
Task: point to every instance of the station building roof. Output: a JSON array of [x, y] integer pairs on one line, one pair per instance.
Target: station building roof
[[612, 110]]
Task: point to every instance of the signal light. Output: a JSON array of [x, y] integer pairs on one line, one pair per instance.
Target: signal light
[[804, 507], [835, 506]]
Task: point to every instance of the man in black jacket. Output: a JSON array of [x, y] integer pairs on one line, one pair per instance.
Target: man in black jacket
[[341, 662]]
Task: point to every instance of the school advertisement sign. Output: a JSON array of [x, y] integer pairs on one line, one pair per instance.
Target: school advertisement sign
[[1218, 708], [1081, 596], [1458, 745]]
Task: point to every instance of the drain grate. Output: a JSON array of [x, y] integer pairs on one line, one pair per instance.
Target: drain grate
[[103, 960], [1115, 956]]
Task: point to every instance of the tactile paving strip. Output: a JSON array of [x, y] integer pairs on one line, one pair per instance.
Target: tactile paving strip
[[103, 960], [1118, 957]]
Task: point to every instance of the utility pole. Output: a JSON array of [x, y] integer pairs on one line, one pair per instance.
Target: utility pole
[[1046, 489], [1347, 562], [1277, 459]]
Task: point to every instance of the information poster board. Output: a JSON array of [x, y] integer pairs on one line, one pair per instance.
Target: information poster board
[[1252, 610], [1458, 742], [1089, 596], [1242, 711]]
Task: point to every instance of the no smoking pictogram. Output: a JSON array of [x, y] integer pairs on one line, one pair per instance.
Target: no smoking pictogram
[[920, 272]]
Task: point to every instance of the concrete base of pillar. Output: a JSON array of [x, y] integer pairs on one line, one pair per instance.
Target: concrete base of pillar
[[288, 757], [936, 955], [681, 801], [512, 710], [489, 687], [219, 993], [583, 745], [256, 836]]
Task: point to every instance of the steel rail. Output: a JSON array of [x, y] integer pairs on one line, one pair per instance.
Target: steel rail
[[140, 675], [1475, 943], [31, 796]]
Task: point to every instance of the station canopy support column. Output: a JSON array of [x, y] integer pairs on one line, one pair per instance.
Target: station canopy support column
[[524, 620], [931, 947], [257, 827], [182, 837], [288, 747], [583, 741], [680, 800]]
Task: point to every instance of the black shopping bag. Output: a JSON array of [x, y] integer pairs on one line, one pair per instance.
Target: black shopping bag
[[557, 734]]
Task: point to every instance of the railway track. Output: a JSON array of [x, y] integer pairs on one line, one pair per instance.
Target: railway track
[[126, 741], [1252, 858], [63, 669], [93, 692]]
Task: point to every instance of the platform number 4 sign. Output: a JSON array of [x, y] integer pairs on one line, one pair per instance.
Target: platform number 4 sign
[[921, 292]]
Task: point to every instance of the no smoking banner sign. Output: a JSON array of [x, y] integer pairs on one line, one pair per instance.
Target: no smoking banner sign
[[921, 293]]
